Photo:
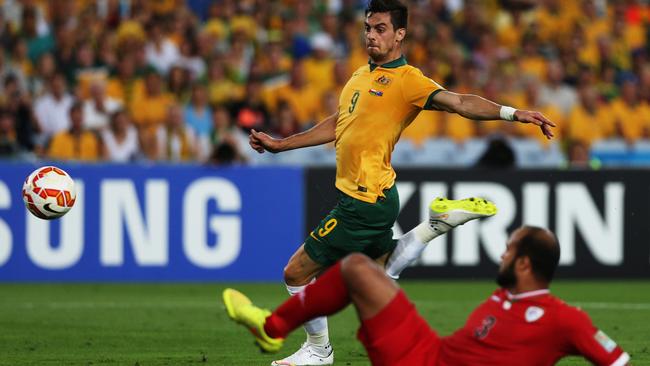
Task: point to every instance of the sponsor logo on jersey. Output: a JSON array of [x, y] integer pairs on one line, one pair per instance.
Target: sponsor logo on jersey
[[533, 313], [607, 343]]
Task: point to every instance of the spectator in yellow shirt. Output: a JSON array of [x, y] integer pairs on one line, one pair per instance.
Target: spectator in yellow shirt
[[303, 98], [627, 26], [341, 75], [595, 26], [590, 120], [75, 143], [221, 89], [531, 100], [510, 26], [150, 109], [425, 125], [531, 61], [631, 116], [273, 61], [556, 18], [122, 85], [319, 66]]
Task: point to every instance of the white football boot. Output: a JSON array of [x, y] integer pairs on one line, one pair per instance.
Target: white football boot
[[308, 355]]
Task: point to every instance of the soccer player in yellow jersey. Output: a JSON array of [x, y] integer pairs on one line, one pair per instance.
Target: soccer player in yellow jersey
[[375, 106]]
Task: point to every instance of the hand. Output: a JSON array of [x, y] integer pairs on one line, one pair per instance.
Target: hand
[[537, 119], [260, 141]]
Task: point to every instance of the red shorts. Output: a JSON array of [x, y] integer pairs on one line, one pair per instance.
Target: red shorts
[[398, 335]]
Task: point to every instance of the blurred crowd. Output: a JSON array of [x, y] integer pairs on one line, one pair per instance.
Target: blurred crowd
[[172, 80]]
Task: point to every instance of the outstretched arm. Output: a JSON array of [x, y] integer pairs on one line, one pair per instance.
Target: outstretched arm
[[478, 108], [322, 133], [585, 339]]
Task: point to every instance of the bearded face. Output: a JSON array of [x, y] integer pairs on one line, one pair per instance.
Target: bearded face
[[506, 277]]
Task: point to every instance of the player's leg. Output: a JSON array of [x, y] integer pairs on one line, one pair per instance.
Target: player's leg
[[392, 331], [325, 296], [300, 271], [382, 260], [368, 287], [354, 279], [444, 215], [350, 227]]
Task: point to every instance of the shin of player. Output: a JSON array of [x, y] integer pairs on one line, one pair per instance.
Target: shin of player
[[316, 350], [316, 329]]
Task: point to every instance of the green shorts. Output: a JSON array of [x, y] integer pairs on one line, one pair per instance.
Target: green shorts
[[355, 226]]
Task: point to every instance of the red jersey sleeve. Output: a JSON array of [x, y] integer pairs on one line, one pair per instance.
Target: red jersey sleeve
[[590, 342]]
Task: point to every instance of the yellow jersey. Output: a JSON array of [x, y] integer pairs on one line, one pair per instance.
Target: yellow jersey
[[632, 121], [67, 146], [375, 106]]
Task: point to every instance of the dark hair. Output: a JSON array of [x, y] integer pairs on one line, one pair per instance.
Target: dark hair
[[398, 12], [223, 154], [498, 154], [76, 107], [542, 248]]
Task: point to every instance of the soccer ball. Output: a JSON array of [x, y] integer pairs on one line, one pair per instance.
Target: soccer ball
[[49, 193]]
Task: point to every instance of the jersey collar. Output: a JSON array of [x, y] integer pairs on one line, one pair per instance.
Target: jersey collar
[[525, 295], [401, 61]]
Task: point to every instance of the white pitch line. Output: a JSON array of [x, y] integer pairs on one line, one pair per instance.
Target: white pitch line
[[216, 304], [114, 305], [613, 305], [580, 304]]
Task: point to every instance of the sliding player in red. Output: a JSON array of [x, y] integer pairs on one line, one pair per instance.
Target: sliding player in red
[[521, 323]]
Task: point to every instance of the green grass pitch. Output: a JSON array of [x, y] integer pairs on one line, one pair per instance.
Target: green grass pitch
[[185, 324]]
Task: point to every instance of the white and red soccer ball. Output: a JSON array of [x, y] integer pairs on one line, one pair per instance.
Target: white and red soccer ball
[[49, 192]]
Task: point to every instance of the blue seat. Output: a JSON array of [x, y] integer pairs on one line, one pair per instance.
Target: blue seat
[[529, 153], [322, 155], [404, 153], [298, 157], [553, 156], [266, 158], [470, 151], [641, 153], [611, 152], [436, 152]]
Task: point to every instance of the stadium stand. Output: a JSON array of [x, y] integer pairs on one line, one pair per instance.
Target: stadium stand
[[277, 66]]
